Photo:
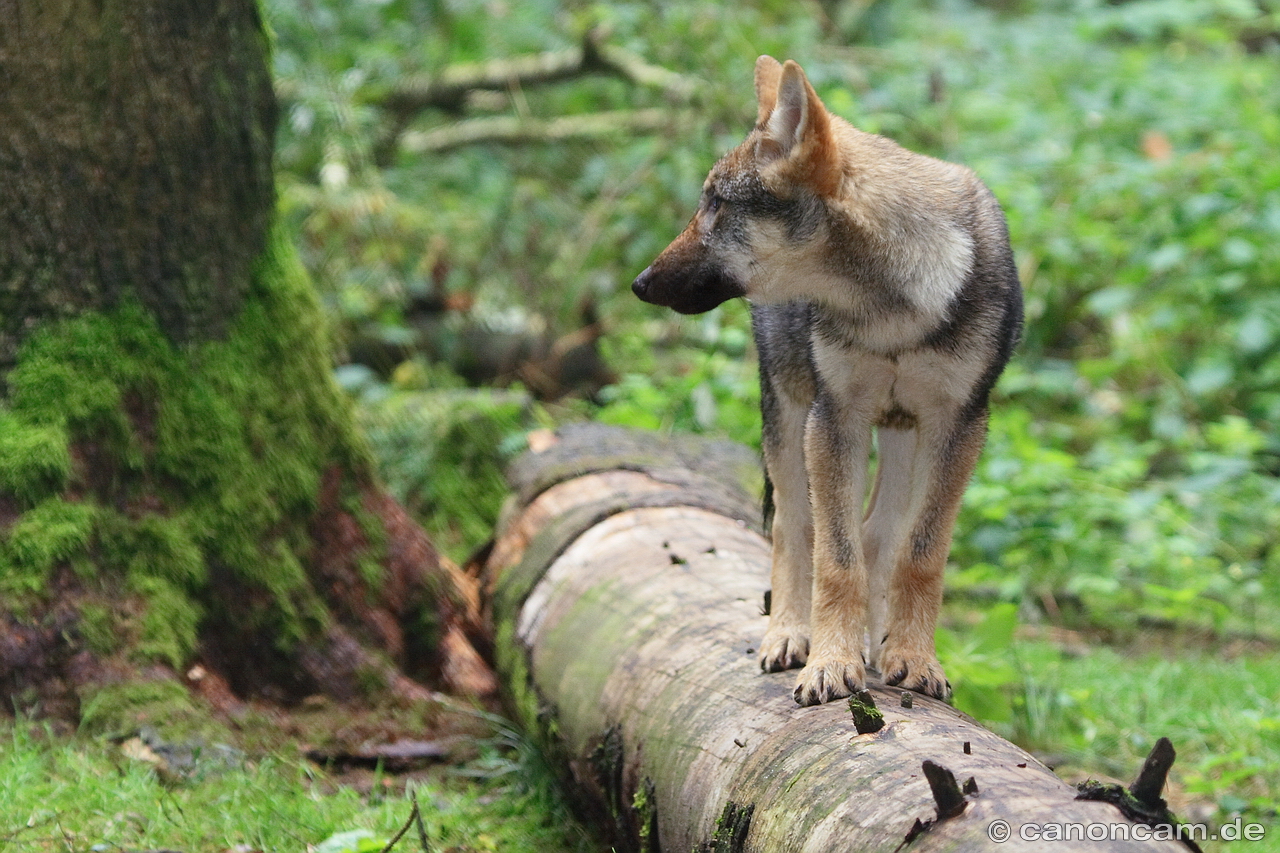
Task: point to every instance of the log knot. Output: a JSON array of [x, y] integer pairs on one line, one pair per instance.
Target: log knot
[[1141, 802], [866, 716], [947, 797], [950, 800]]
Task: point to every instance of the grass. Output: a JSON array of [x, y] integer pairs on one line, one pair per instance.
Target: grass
[[1099, 710], [83, 794]]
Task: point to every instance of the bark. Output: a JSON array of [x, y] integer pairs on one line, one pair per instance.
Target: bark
[[135, 156], [626, 585], [181, 481]]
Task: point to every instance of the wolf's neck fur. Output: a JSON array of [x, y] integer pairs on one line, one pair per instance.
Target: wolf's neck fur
[[902, 256]]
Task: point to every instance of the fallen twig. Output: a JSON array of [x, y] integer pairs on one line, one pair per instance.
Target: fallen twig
[[448, 89], [414, 815], [510, 130]]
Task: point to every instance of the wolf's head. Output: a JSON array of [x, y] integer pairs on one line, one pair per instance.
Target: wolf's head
[[764, 197], [809, 208]]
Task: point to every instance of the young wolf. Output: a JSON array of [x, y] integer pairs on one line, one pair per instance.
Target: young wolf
[[884, 298]]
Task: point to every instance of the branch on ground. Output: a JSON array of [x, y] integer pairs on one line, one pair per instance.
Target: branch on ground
[[456, 87], [512, 130], [449, 89]]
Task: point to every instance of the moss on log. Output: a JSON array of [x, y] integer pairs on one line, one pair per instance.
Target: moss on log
[[627, 591]]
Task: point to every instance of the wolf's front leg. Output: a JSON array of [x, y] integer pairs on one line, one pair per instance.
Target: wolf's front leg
[[836, 452], [786, 643]]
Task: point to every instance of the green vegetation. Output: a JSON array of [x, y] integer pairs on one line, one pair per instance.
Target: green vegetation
[[88, 795], [1131, 474], [1126, 512], [1130, 480], [194, 447], [1100, 712], [443, 451]]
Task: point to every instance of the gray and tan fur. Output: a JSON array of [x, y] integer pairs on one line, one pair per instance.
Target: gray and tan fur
[[885, 303]]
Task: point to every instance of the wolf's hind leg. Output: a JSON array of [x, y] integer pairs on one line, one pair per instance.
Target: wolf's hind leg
[[886, 527], [940, 470]]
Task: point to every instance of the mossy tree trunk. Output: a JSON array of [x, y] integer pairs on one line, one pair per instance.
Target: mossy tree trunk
[[181, 482]]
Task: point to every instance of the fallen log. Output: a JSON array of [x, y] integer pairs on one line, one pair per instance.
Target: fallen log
[[625, 586]]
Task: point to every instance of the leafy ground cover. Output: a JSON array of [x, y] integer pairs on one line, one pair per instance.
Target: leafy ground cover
[[1093, 709]]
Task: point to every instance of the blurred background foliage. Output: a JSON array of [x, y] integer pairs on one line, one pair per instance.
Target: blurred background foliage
[[476, 248], [1133, 452]]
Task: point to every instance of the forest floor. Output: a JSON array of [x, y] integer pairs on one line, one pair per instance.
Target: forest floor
[[327, 778]]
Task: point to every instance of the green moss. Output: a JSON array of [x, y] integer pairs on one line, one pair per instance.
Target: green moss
[[98, 628], [53, 531], [371, 572], [34, 461], [202, 462], [513, 667], [296, 612], [151, 546], [731, 829], [867, 718], [645, 807], [122, 708], [370, 565], [372, 680], [168, 627]]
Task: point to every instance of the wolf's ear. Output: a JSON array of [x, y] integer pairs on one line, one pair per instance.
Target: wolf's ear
[[768, 73], [796, 143]]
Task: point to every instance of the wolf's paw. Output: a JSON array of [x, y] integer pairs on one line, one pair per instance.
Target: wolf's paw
[[823, 680], [783, 648], [919, 672]]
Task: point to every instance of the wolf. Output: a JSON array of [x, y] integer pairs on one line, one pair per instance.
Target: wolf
[[885, 303]]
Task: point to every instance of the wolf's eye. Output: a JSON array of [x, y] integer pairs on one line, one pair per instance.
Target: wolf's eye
[[713, 203]]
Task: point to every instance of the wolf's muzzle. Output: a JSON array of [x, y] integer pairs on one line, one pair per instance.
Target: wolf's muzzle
[[640, 287], [689, 290]]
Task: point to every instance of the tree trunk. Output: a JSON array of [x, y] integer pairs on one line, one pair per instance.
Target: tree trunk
[[626, 585], [181, 481]]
